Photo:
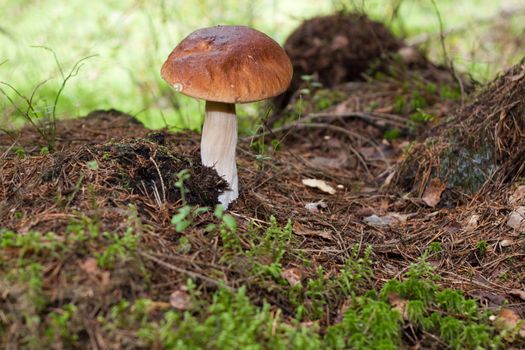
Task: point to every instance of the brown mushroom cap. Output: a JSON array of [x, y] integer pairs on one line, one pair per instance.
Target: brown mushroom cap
[[230, 64]]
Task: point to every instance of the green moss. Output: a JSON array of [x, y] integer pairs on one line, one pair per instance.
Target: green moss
[[239, 318], [466, 168]]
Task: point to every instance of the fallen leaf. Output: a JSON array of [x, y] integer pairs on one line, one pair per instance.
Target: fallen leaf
[[90, 267], [339, 42], [518, 196], [398, 304], [386, 220], [517, 293], [509, 320], [363, 212], [319, 184], [180, 300], [325, 162], [472, 223], [453, 227], [309, 324], [432, 194], [293, 275], [367, 189], [506, 243], [375, 220], [388, 179], [410, 55], [516, 219], [299, 230], [314, 207]]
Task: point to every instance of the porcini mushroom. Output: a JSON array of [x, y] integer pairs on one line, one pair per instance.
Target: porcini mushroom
[[225, 65]]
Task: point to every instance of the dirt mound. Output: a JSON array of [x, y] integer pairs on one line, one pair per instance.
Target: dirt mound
[[345, 49], [96, 127], [481, 145], [336, 48], [40, 192]]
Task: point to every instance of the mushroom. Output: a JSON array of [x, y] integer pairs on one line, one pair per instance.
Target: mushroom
[[225, 65]]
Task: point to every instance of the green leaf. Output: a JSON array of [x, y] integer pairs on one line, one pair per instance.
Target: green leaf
[[219, 211], [230, 222], [181, 215], [93, 165], [182, 225]]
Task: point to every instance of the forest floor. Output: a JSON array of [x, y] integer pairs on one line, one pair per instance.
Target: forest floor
[[114, 241]]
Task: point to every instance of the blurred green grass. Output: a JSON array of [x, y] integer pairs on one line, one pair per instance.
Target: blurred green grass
[[131, 39]]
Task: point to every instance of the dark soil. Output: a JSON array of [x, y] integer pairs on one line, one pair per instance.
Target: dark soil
[[40, 192], [337, 48], [97, 127], [349, 47]]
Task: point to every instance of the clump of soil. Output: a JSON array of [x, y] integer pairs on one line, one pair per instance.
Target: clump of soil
[[336, 48], [96, 127], [482, 144], [145, 172], [350, 48]]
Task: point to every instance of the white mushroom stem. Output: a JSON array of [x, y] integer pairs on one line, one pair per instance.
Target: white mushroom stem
[[218, 144]]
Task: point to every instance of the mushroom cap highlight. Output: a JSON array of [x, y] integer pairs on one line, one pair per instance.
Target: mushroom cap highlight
[[229, 64]]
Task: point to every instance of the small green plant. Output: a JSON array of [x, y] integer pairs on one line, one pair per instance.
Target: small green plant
[[368, 324], [325, 98], [434, 248], [185, 216], [182, 176], [122, 247], [35, 116], [481, 248], [436, 311], [320, 290], [227, 230], [81, 230], [59, 329], [392, 134], [399, 105], [418, 101], [184, 245], [31, 243], [181, 220], [92, 165], [231, 321], [355, 271], [449, 93], [418, 118], [273, 242], [20, 152]]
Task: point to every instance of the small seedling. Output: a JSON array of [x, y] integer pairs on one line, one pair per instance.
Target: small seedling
[[185, 216], [182, 176], [481, 248], [184, 245]]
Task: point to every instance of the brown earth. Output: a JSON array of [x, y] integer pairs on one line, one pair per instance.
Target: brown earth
[[110, 174], [350, 47], [47, 192], [336, 48]]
